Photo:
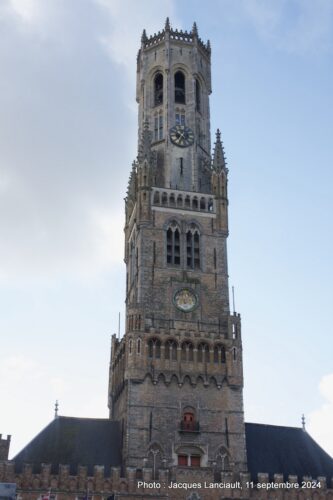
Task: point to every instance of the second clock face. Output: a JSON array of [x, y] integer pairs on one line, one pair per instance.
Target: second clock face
[[185, 299], [181, 136]]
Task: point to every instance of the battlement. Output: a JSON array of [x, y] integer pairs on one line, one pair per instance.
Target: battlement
[[32, 482], [168, 33], [4, 447]]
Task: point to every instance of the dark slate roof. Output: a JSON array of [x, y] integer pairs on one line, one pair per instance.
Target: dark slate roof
[[285, 450], [74, 441]]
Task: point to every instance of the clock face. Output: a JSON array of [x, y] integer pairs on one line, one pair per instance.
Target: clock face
[[181, 136], [185, 300]]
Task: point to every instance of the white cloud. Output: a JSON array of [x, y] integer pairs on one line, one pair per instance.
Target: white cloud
[[46, 250], [300, 26], [127, 19], [320, 421], [108, 240], [27, 10]]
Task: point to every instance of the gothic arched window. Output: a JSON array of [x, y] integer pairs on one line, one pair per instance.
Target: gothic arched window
[[155, 456], [203, 353], [197, 95], [179, 200], [158, 89], [187, 351], [180, 87], [171, 350], [193, 248], [156, 198], [219, 354], [222, 463], [154, 348], [173, 245], [188, 422]]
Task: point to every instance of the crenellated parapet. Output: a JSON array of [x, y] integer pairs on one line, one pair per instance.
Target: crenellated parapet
[[171, 483], [168, 33]]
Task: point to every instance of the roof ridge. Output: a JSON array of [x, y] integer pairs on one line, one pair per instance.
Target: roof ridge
[[83, 418], [275, 425]]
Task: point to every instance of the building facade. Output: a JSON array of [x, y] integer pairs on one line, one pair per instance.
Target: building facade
[[176, 426]]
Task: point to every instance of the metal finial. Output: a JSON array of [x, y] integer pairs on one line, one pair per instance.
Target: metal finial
[[56, 408], [303, 422]]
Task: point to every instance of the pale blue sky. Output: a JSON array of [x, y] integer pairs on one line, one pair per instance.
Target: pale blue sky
[[67, 139]]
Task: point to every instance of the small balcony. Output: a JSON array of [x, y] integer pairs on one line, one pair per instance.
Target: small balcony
[[189, 427]]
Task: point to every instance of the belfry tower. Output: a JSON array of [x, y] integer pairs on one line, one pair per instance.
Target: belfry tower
[[176, 377]]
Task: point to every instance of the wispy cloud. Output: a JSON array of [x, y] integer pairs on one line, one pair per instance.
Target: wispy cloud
[[127, 19], [297, 26], [61, 149], [28, 10]]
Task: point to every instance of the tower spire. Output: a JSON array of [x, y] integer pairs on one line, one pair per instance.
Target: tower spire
[[144, 36], [167, 24], [195, 29], [219, 162]]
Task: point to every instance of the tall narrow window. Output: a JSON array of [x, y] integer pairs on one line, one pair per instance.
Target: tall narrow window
[[180, 119], [203, 353], [179, 87], [173, 245], [133, 260], [219, 354], [181, 167], [197, 95], [187, 351], [158, 89], [193, 248], [154, 348], [171, 350], [188, 423], [158, 127]]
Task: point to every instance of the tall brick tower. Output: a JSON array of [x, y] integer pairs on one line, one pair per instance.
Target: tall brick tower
[[176, 376]]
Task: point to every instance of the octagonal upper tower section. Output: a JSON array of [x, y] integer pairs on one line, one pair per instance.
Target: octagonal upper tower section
[[173, 88]]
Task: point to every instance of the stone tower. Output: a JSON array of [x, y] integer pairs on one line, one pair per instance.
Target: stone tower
[[176, 376]]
